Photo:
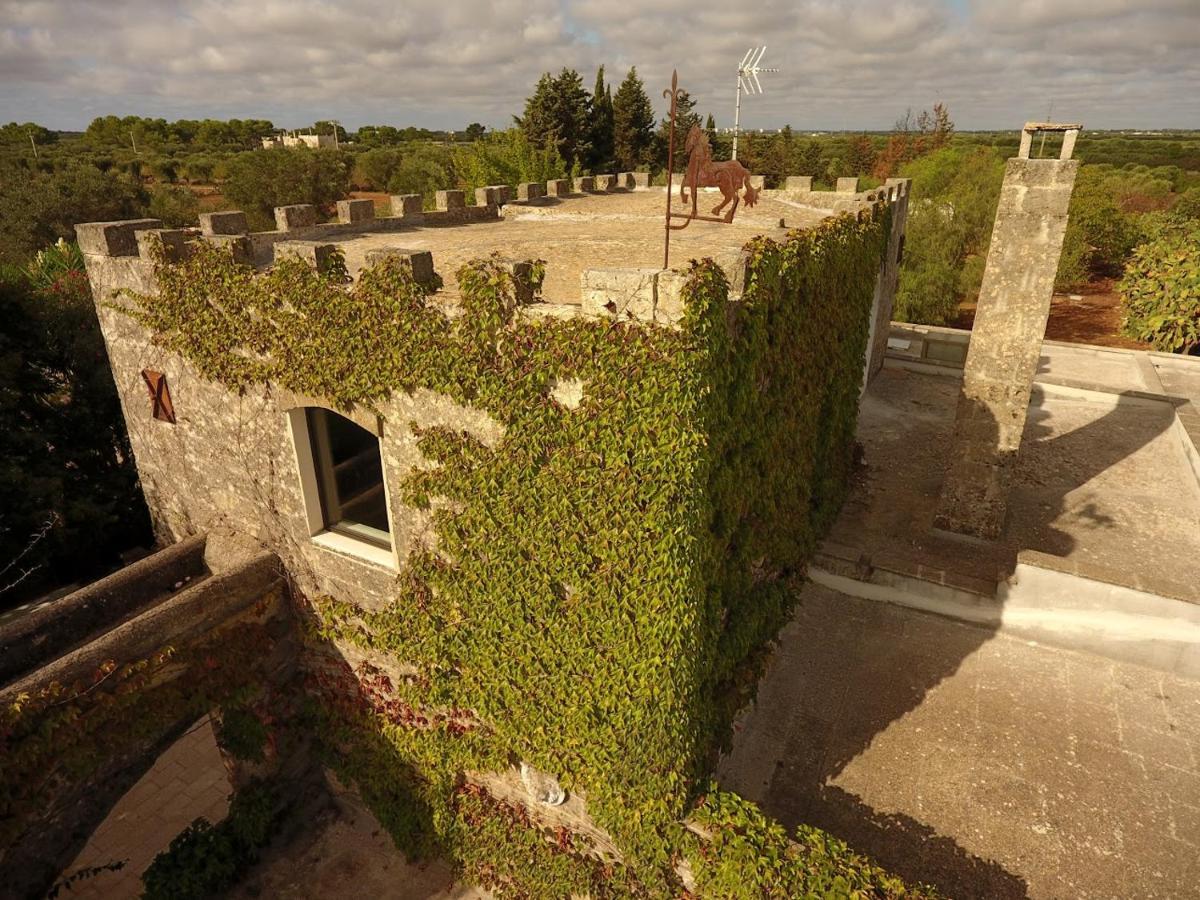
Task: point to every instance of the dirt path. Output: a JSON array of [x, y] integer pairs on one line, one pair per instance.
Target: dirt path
[[1090, 316]]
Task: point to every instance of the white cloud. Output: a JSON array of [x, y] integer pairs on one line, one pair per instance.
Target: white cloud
[[848, 64]]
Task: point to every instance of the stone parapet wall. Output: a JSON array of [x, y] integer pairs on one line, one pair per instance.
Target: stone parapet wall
[[132, 690]]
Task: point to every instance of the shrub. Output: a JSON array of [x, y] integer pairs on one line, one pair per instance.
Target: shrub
[[174, 204], [1188, 205], [375, 168], [68, 492], [261, 180], [1160, 292], [506, 157], [744, 855], [423, 171], [205, 860], [1100, 234]]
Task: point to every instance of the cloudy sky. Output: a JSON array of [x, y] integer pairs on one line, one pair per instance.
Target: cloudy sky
[[443, 63]]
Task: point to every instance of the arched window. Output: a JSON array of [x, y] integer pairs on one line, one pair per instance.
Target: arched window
[[342, 478]]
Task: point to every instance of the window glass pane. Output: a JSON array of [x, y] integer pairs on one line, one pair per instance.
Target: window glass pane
[[350, 474]]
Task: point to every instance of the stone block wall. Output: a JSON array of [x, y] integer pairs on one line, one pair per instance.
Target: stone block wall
[[170, 616]]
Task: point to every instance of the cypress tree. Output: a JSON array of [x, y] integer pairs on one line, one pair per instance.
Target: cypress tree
[[602, 136], [633, 124]]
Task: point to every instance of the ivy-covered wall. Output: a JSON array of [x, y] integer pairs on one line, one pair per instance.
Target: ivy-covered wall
[[585, 578]]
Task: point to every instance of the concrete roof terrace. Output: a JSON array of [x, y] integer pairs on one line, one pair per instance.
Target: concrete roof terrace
[[588, 232], [619, 229]]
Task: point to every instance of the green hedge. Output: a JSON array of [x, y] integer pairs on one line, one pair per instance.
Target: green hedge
[[606, 576]]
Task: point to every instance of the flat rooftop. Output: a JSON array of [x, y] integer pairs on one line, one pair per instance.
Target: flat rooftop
[[1104, 486], [595, 231]]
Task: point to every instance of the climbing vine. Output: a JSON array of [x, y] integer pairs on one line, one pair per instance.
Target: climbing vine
[[737, 853], [606, 576]]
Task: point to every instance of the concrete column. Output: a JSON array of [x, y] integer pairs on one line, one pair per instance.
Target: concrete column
[[291, 218], [889, 277], [448, 200], [585, 184], [799, 183], [1026, 144], [649, 295], [407, 206], [558, 187], [353, 211], [531, 190], [228, 222], [847, 185], [112, 238], [172, 241], [1006, 343], [315, 253], [1068, 144], [419, 262]]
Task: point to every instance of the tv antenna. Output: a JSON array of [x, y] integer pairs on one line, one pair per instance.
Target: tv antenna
[[747, 80]]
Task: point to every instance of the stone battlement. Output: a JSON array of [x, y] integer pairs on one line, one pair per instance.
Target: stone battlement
[[354, 217]]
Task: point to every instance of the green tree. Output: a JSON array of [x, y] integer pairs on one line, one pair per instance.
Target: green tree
[[558, 116], [475, 131], [1100, 234], [860, 156], [264, 179], [685, 118], [326, 126], [27, 135], [38, 208], [633, 124], [810, 160], [710, 128], [423, 170], [951, 209], [602, 136], [69, 501]]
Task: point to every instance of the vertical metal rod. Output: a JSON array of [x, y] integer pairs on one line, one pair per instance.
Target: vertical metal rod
[[673, 94], [737, 114]]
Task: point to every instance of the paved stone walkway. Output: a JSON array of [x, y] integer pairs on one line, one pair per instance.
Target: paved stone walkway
[[344, 852], [983, 764], [187, 781]]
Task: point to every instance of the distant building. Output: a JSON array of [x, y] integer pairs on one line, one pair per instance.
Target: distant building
[[313, 141]]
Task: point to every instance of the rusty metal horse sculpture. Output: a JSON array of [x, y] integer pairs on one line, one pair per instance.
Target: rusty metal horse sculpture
[[702, 172]]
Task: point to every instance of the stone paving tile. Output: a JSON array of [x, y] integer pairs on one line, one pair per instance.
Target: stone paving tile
[[989, 766], [186, 782]]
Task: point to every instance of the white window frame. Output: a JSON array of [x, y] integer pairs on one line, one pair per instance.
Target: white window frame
[[314, 515]]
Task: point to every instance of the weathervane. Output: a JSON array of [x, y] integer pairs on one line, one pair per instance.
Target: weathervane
[[701, 172]]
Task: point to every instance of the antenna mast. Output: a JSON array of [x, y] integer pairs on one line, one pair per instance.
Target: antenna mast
[[747, 80]]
